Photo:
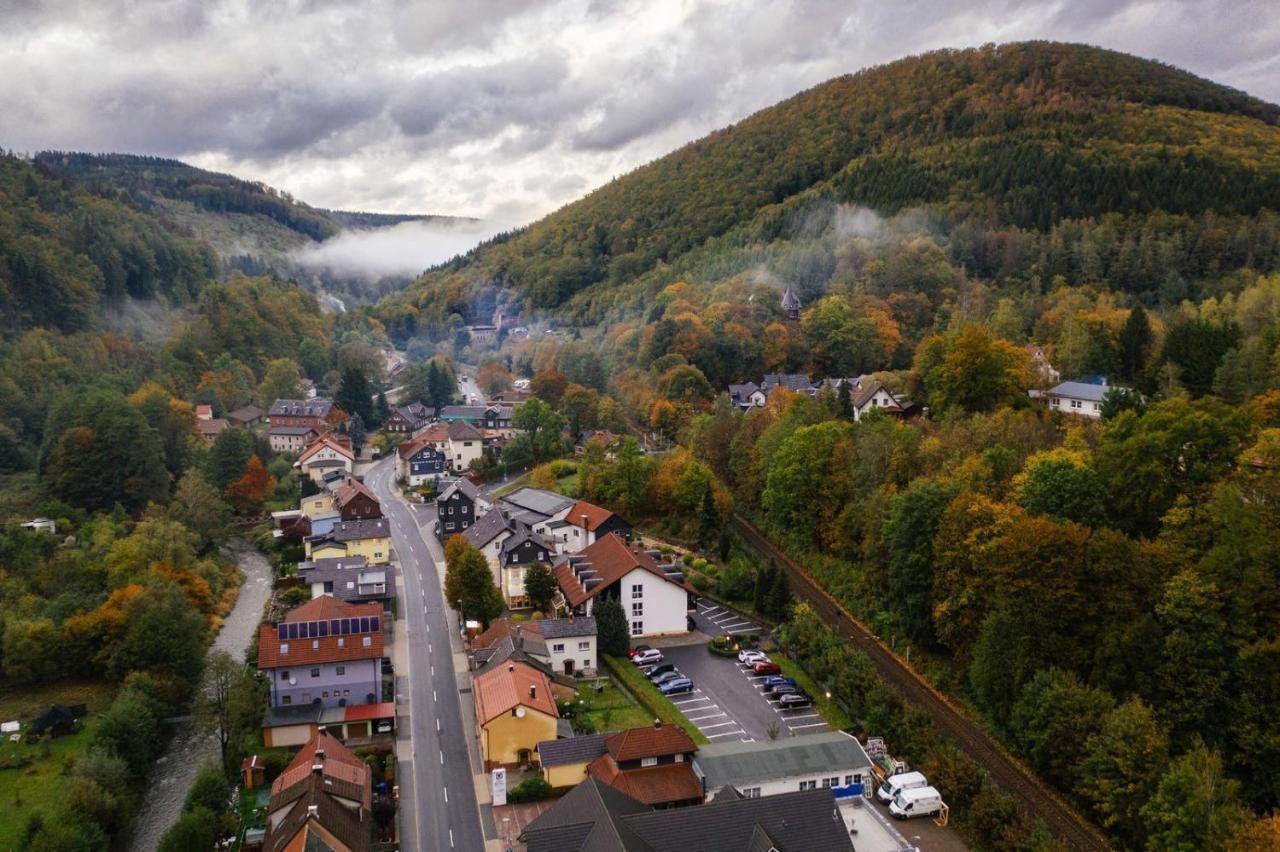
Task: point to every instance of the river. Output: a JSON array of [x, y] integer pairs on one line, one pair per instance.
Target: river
[[176, 769]]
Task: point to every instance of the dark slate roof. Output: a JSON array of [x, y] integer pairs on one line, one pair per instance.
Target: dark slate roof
[[593, 817], [461, 430], [580, 749], [587, 819], [491, 524], [532, 505], [523, 534], [318, 407], [465, 486], [806, 821], [358, 530], [791, 381], [290, 430], [561, 628], [790, 301], [1080, 390]]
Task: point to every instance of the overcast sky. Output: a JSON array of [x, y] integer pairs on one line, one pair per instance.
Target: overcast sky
[[506, 109]]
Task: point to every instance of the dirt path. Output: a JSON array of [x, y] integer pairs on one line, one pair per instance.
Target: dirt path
[[968, 734]]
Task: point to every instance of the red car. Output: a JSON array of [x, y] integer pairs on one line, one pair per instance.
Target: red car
[[766, 668]]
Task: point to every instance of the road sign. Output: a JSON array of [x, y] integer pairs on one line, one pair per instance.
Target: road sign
[[499, 786]]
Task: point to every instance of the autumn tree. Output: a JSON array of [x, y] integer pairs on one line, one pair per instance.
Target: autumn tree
[[1196, 806], [493, 378], [248, 493], [1121, 767], [199, 506], [842, 341], [972, 371], [549, 386], [580, 406], [280, 380], [228, 458]]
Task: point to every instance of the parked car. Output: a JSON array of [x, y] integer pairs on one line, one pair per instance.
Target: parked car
[[660, 669], [637, 649], [666, 677], [921, 801], [778, 680], [784, 689], [765, 667], [895, 784], [750, 655], [646, 658], [792, 700], [675, 685]]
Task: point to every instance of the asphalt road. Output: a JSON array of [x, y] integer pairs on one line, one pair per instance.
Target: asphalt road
[[437, 796], [469, 389]]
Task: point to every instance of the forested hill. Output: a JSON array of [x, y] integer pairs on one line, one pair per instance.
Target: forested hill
[[1027, 134], [65, 251]]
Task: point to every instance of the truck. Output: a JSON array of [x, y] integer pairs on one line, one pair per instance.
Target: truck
[[918, 801], [895, 784]]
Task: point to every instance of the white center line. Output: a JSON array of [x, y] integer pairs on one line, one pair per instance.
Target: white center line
[[433, 695], [446, 795], [442, 758], [437, 726], [451, 837]]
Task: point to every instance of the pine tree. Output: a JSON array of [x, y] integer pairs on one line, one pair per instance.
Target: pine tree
[[779, 602], [354, 395], [1135, 338], [381, 409], [709, 519], [845, 401]]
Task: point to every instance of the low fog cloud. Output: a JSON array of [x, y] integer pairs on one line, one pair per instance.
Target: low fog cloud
[[400, 250]]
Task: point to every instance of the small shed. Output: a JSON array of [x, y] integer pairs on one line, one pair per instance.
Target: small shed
[[253, 772], [58, 720]]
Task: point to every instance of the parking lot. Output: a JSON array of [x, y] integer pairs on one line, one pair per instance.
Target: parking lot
[[728, 702]]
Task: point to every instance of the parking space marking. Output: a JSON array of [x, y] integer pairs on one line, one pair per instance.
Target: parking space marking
[[705, 728], [685, 701], [726, 734], [735, 625], [811, 725], [791, 719], [696, 719]]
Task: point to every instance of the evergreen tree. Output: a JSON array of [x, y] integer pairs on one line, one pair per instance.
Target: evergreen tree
[[440, 381], [708, 518], [1135, 339], [539, 586], [355, 429], [611, 627], [354, 396], [844, 401], [779, 603]]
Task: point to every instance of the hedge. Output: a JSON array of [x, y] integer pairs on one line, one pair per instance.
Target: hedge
[[650, 698]]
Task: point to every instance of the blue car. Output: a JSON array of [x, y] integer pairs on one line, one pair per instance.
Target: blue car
[[778, 680], [679, 684]]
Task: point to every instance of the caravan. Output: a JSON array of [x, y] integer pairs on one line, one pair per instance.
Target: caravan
[[895, 784], [918, 801]]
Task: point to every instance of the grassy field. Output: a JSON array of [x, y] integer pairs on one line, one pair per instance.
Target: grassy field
[[653, 701], [611, 709], [37, 787]]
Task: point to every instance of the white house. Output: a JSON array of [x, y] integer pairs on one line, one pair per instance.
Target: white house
[[571, 644], [324, 456], [830, 759], [466, 444], [655, 599], [1081, 398], [579, 526]]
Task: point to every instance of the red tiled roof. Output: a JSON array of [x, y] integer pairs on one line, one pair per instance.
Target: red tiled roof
[[595, 515], [612, 559], [652, 785], [323, 441], [361, 712], [500, 690], [324, 649], [635, 743], [339, 762], [498, 630], [348, 491]]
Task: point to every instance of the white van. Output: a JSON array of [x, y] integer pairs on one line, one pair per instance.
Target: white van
[[895, 784], [920, 801]]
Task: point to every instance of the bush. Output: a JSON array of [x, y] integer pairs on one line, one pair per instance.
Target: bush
[[737, 582], [721, 647], [666, 549], [560, 468], [518, 616], [210, 790], [537, 616], [687, 559], [530, 790], [699, 564], [700, 582]]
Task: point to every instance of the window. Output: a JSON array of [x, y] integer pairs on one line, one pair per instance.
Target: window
[[679, 758], [315, 673], [341, 670], [288, 699], [463, 509], [450, 510], [284, 675], [448, 525], [586, 664], [342, 641], [378, 555], [346, 693], [1097, 407], [831, 782], [328, 587], [648, 761], [637, 609], [637, 591], [367, 642], [750, 792], [324, 694], [808, 785], [315, 644], [637, 627], [558, 648], [1076, 404], [584, 646], [284, 648]]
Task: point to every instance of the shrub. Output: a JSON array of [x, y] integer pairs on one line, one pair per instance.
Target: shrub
[[530, 790], [700, 582], [537, 616], [666, 549], [518, 616], [721, 647], [698, 564], [687, 559], [560, 468]]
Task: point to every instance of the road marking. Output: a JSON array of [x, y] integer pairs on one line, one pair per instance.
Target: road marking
[[726, 734], [451, 837], [741, 624], [433, 698], [437, 725], [446, 795], [428, 647], [813, 725], [697, 719], [805, 716], [433, 671], [705, 728], [442, 758]]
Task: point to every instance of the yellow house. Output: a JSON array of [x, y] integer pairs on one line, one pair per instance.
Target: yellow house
[[317, 504], [370, 538], [563, 762], [514, 712]]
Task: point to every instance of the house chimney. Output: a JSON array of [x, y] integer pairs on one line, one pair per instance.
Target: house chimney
[[657, 724]]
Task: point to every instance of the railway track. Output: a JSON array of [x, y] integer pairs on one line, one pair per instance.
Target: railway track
[[969, 735]]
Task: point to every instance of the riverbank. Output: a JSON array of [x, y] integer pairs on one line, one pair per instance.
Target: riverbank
[[176, 770]]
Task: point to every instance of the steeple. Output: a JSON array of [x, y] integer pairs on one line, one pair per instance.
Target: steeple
[[791, 304]]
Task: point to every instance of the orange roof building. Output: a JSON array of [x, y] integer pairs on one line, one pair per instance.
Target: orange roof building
[[322, 800], [325, 652], [652, 765], [515, 710]]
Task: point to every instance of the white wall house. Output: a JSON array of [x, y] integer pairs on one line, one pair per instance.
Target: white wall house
[[1078, 398], [831, 759], [325, 456], [571, 644], [655, 602]]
